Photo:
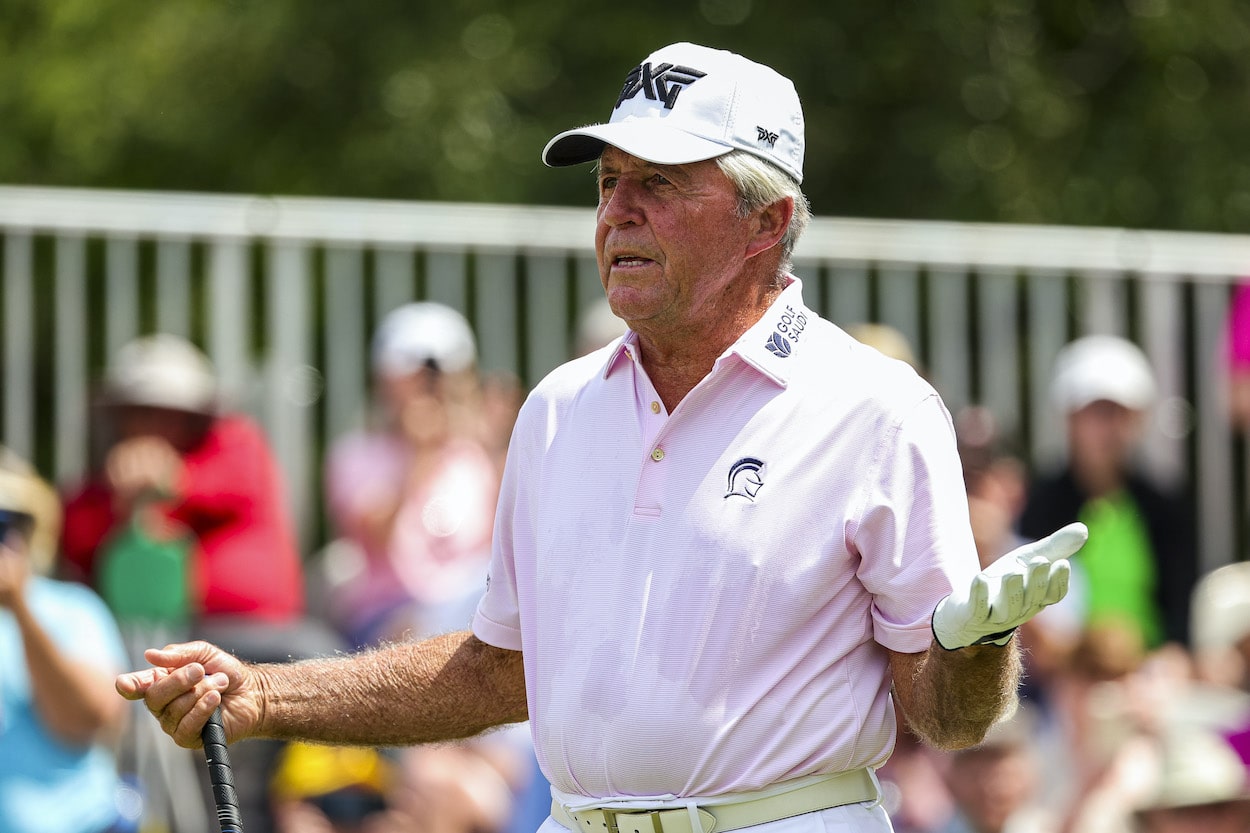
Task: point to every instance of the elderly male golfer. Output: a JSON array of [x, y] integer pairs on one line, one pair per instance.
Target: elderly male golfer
[[722, 541]]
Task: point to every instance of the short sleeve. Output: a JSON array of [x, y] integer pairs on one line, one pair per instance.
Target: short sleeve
[[914, 535], [498, 618]]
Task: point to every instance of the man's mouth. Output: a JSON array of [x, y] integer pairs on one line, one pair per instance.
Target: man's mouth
[[631, 260]]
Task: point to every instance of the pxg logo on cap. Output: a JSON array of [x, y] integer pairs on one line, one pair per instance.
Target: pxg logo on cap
[[661, 83], [689, 103]]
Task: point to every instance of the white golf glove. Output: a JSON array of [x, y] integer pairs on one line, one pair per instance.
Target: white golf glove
[[1009, 592]]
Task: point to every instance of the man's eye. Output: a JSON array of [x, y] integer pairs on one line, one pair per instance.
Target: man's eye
[[660, 179], [607, 183]]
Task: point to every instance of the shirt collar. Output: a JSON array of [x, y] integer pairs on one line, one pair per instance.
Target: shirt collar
[[767, 346], [770, 344], [625, 350]]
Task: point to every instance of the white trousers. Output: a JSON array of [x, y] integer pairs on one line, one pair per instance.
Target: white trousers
[[868, 817]]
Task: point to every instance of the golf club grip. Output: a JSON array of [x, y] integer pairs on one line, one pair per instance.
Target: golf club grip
[[221, 775]]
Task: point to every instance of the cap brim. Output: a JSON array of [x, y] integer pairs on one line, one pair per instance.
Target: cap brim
[[647, 139], [1131, 400]]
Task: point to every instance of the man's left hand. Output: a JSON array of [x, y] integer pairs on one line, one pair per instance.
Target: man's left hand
[[1009, 592]]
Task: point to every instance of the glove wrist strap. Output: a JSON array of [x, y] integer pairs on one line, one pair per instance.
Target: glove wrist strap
[[998, 640]]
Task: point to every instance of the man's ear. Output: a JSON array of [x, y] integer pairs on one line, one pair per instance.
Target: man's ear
[[772, 221]]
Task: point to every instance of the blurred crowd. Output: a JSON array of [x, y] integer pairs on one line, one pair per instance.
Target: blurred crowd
[[1136, 701], [1135, 714]]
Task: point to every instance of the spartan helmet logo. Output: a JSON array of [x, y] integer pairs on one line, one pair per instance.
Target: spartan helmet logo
[[744, 478]]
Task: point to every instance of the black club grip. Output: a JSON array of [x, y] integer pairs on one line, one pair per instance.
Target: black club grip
[[221, 775]]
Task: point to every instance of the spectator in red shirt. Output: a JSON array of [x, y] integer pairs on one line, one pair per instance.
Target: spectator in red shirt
[[175, 459], [176, 468]]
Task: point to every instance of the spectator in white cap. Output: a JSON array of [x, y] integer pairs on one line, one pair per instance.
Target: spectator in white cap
[[1197, 784], [173, 456], [724, 542], [1221, 638], [412, 502], [1140, 564]]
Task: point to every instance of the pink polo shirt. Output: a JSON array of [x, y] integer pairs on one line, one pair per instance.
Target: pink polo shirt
[[702, 597]]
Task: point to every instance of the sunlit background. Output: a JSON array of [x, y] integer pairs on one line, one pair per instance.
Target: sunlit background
[[1130, 113]]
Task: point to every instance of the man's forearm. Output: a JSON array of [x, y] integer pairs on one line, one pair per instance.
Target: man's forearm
[[951, 698], [447, 687]]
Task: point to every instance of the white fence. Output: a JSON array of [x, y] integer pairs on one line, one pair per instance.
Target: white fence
[[283, 293]]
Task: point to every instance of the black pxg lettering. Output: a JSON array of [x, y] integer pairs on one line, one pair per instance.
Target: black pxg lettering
[[660, 83]]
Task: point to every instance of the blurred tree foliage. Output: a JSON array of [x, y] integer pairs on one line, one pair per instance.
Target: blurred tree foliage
[[1114, 112]]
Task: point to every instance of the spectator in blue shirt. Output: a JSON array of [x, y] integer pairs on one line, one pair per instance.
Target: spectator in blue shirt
[[59, 652]]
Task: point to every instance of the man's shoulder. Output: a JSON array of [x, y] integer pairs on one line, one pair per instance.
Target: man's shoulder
[[847, 369], [567, 380], [803, 335], [555, 395]]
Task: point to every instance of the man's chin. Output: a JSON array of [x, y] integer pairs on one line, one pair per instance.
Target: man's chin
[[630, 302]]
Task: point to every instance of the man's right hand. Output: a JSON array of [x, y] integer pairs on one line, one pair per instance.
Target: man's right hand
[[187, 682]]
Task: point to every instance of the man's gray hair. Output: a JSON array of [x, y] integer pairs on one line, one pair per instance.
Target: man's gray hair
[[760, 183]]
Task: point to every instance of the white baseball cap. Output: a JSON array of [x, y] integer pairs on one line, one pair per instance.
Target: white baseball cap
[[1102, 367], [420, 334], [1195, 767], [686, 103], [162, 371], [1220, 611]]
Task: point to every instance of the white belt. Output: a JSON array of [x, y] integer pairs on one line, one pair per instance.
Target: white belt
[[833, 791]]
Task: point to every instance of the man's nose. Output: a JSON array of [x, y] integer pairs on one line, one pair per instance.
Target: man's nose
[[621, 206]]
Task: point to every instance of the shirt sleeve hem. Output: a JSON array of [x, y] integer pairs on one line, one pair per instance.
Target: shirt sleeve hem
[[493, 633], [910, 639]]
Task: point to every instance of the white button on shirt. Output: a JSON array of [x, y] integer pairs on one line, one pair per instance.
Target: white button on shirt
[[711, 624]]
